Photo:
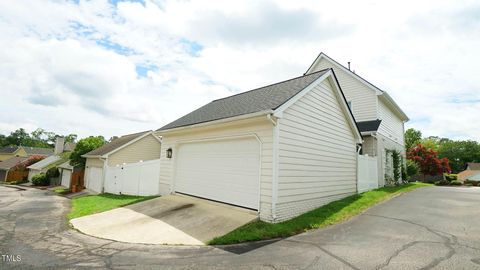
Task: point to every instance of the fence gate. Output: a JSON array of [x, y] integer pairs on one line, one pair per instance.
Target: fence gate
[[367, 173], [141, 178]]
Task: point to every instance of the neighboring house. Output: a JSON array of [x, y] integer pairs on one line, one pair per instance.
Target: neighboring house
[[8, 164], [282, 149], [127, 149], [66, 171], [380, 119], [61, 154], [8, 152], [43, 165], [471, 169], [23, 151]]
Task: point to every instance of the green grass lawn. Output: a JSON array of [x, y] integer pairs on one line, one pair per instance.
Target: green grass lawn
[[89, 205], [61, 190], [332, 213]]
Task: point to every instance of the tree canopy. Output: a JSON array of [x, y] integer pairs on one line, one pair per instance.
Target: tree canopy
[[84, 146], [458, 152], [37, 138]]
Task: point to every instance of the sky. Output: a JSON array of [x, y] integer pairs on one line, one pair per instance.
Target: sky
[[117, 67]]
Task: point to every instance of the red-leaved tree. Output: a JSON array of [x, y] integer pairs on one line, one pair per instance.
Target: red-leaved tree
[[428, 161], [31, 160]]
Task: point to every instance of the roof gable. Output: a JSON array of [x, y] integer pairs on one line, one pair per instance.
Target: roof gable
[[266, 98], [118, 144], [379, 92]]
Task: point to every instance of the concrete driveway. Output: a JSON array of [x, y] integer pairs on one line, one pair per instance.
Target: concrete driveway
[[173, 219], [429, 228]]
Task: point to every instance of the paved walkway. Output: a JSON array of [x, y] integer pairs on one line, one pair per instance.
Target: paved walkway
[[430, 228]]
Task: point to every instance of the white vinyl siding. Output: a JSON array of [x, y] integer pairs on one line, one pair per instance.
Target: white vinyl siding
[[147, 148], [363, 99], [391, 125], [94, 162], [260, 127], [317, 154]]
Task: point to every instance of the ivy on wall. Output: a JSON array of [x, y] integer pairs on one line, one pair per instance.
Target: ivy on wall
[[397, 167]]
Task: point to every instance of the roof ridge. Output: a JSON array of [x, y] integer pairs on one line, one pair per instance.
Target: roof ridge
[[137, 133], [284, 81]]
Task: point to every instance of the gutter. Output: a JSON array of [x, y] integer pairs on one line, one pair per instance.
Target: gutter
[[214, 122]]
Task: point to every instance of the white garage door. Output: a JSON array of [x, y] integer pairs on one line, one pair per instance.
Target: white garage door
[[94, 179], [221, 170], [66, 176]]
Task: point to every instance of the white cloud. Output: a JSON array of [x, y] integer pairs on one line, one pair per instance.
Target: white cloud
[[71, 67]]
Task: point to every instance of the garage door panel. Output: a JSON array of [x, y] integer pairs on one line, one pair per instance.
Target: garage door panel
[[66, 176], [225, 170]]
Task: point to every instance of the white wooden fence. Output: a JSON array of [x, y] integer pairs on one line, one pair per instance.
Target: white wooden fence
[[367, 173], [141, 178]]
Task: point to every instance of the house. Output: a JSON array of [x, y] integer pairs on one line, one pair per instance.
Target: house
[[8, 164], [132, 149], [471, 169], [23, 151], [282, 149], [43, 165], [61, 154], [379, 118]]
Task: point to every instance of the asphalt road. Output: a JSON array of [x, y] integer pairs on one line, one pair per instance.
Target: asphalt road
[[429, 228]]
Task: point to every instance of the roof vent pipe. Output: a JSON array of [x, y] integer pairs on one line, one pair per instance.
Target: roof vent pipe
[[349, 65]]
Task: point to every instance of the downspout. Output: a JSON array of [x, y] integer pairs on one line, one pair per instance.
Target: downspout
[[275, 123], [104, 172], [358, 154]]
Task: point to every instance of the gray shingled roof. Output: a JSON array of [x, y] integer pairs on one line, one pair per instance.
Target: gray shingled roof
[[116, 143], [473, 166], [8, 149], [11, 162], [369, 125], [261, 99], [38, 151]]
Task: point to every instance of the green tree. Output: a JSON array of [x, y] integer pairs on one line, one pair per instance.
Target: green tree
[[18, 137], [412, 138], [71, 138], [3, 140], [459, 153], [431, 142], [84, 146]]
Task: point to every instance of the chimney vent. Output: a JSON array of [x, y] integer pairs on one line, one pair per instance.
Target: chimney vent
[[348, 65], [59, 144]]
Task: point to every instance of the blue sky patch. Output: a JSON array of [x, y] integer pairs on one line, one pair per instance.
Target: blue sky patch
[[142, 70], [106, 43], [193, 48]]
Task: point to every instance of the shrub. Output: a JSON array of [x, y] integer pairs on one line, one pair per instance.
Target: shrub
[[456, 183], [473, 183], [40, 180], [442, 183], [450, 177], [412, 168], [52, 173]]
